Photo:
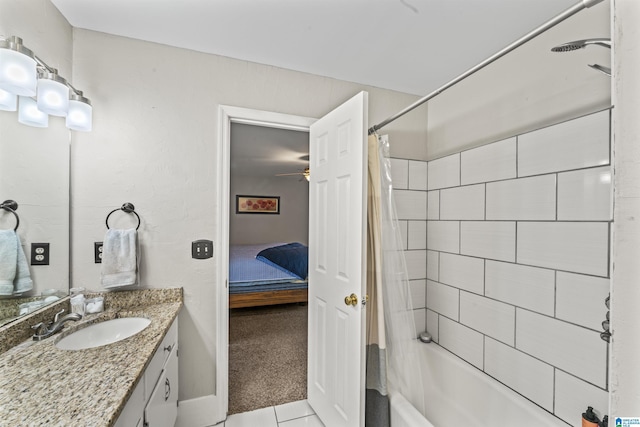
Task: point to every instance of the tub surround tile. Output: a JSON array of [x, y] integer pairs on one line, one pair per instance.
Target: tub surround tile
[[574, 395], [399, 174], [443, 236], [432, 324], [580, 247], [491, 162], [420, 320], [580, 299], [585, 195], [418, 291], [433, 205], [46, 371], [488, 239], [411, 204], [464, 342], [563, 345], [522, 199], [417, 235], [433, 259], [532, 288], [444, 172], [492, 318], [518, 261], [416, 264], [443, 299], [462, 203], [402, 226], [417, 175], [531, 377], [462, 272], [575, 144]]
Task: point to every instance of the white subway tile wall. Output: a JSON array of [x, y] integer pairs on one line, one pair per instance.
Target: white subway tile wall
[[462, 202], [488, 163], [462, 272], [444, 172], [531, 377], [522, 199], [417, 175], [493, 318], [518, 261]]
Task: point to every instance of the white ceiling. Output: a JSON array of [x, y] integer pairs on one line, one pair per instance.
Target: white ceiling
[[264, 151], [412, 46]]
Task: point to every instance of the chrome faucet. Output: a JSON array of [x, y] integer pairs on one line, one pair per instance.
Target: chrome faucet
[[45, 330]]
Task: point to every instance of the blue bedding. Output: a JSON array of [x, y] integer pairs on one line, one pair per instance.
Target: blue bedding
[[246, 271], [292, 257]]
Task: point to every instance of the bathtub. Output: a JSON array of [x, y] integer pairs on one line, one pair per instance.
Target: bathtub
[[458, 394]]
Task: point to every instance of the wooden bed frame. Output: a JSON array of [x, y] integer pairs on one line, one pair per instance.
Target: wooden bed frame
[[255, 299]]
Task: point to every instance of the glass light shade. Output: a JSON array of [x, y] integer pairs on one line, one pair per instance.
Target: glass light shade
[[53, 94], [28, 113], [17, 68], [80, 114], [8, 101]]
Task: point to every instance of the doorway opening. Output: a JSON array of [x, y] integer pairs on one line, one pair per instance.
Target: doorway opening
[[268, 208]]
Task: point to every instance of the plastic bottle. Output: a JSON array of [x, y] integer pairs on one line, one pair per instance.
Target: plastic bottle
[[589, 419]]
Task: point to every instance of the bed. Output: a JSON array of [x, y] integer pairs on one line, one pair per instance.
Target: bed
[[257, 274]]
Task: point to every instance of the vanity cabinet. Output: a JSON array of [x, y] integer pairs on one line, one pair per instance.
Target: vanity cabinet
[[154, 401]]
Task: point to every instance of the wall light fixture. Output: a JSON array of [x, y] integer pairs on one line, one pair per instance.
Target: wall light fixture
[[41, 91]]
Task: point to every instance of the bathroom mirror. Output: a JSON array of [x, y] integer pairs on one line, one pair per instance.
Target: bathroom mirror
[[34, 163]]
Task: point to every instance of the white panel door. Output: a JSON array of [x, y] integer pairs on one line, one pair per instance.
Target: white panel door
[[337, 263]]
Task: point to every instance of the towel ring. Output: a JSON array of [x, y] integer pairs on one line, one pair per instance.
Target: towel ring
[[128, 208], [11, 206]]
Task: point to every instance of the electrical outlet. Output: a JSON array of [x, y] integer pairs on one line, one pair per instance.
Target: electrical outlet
[[97, 252], [39, 254], [202, 249]]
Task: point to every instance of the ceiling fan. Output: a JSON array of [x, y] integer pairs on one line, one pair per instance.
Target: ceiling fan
[[305, 173]]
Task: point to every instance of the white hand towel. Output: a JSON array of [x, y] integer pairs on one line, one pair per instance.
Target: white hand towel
[[14, 270], [22, 282], [119, 258], [8, 260]]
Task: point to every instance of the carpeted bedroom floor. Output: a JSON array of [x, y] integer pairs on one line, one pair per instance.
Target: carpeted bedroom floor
[[267, 356]]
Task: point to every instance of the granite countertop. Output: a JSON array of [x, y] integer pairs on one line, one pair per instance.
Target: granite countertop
[[41, 385]]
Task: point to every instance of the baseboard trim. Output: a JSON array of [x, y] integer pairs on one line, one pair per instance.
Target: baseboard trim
[[199, 412]]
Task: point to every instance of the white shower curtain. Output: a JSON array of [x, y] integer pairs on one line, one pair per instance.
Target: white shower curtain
[[392, 361]]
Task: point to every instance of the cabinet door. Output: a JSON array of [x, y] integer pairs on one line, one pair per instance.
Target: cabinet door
[[162, 408], [131, 415]]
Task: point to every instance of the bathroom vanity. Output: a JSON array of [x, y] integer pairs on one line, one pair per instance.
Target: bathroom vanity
[[127, 383], [154, 401]]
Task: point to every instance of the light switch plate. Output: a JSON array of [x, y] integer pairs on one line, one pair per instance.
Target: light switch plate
[[201, 249]]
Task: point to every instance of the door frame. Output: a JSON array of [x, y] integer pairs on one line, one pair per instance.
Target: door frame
[[226, 116]]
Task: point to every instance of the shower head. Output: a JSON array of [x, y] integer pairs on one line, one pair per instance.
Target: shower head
[[579, 44]]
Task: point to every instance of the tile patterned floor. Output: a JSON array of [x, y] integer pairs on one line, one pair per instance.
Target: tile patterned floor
[[294, 414]]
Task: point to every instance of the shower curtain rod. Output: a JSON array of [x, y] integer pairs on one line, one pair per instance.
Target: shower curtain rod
[[583, 4]]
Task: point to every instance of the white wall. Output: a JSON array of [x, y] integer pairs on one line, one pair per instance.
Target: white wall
[[154, 144], [291, 225], [625, 294], [34, 162], [528, 88]]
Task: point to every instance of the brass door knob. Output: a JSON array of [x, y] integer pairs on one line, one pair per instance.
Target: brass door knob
[[351, 300]]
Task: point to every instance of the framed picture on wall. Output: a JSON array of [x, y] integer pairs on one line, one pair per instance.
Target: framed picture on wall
[[258, 205]]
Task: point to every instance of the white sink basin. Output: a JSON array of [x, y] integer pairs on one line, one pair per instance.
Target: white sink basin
[[103, 333]]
